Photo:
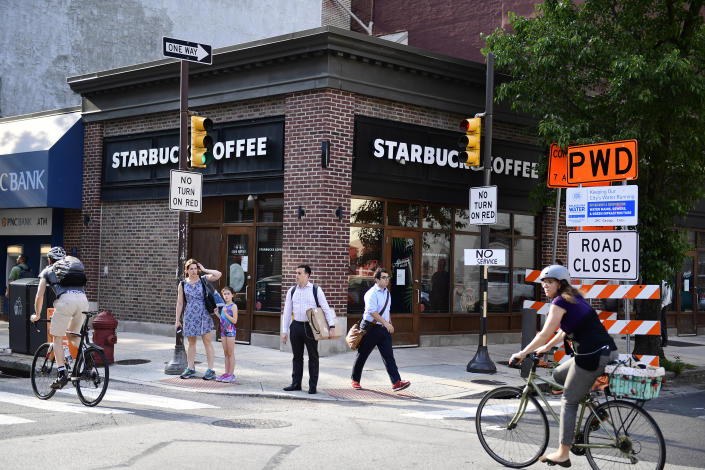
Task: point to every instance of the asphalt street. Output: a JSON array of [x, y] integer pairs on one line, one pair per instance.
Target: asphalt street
[[141, 426]]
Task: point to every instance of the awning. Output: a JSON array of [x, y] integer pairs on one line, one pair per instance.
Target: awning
[[41, 161]]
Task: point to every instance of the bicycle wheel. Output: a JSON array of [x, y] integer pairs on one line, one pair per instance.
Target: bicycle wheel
[[43, 372], [513, 446], [92, 375], [633, 438]]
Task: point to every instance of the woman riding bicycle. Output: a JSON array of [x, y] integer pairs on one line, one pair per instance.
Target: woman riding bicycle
[[594, 349]]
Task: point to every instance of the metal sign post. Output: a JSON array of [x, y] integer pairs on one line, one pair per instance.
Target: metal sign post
[[482, 363]]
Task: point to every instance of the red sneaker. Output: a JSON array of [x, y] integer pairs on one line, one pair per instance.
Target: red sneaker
[[356, 385], [400, 385]]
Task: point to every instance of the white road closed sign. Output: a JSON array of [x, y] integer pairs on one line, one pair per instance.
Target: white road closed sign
[[483, 205], [485, 257], [185, 190], [609, 255]]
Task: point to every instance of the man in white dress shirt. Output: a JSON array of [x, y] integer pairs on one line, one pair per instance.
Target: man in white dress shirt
[[299, 299]]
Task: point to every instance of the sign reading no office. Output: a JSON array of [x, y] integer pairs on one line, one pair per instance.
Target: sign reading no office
[[185, 191], [610, 255], [483, 205]]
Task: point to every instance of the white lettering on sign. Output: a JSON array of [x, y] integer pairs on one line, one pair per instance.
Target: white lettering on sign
[[484, 257], [25, 221], [22, 180], [610, 255], [252, 147], [483, 205], [425, 155], [185, 190]]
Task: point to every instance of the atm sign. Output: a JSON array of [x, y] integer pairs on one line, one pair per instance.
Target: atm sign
[[610, 161]]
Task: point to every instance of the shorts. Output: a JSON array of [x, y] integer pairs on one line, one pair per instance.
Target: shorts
[[229, 333], [68, 313]]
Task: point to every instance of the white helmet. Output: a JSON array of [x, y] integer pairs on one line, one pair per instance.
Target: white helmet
[[56, 253], [555, 271]]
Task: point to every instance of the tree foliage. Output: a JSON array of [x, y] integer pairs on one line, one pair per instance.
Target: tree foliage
[[607, 70]]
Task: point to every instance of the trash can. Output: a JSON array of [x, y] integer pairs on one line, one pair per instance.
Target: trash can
[[20, 307], [38, 330]]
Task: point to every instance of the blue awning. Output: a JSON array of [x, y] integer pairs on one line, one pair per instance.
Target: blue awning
[[41, 161]]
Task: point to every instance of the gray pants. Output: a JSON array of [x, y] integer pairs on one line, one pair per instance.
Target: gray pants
[[576, 382]]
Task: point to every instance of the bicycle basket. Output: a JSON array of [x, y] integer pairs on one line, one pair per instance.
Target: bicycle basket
[[635, 383]]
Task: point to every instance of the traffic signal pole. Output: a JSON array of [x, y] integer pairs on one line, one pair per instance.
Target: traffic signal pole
[[481, 362], [178, 362]]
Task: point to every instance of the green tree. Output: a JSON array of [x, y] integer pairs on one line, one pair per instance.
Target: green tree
[[607, 70]]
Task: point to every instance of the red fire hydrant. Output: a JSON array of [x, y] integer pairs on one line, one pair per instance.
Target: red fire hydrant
[[104, 335]]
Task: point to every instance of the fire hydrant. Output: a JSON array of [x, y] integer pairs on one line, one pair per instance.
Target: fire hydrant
[[104, 335]]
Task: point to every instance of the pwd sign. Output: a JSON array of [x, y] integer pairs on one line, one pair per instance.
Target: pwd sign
[[185, 190], [483, 205], [485, 257], [610, 161], [604, 255]]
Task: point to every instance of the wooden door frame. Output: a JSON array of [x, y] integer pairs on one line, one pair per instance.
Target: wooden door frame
[[416, 270], [250, 280]]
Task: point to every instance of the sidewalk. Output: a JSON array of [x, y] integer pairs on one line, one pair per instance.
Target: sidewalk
[[436, 373]]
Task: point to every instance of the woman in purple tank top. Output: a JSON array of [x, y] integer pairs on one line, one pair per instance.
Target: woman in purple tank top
[[576, 320]]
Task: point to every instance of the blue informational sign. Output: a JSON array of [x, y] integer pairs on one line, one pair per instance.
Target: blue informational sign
[[602, 205]]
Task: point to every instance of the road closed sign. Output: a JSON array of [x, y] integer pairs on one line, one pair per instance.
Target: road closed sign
[[609, 161], [185, 189], [611, 255], [483, 205]]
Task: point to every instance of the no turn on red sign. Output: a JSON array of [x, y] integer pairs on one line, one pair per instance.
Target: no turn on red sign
[[611, 255]]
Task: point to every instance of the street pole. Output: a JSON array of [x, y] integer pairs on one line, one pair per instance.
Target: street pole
[[178, 361], [481, 362]]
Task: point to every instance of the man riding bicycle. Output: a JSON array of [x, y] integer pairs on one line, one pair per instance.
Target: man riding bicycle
[[66, 277]]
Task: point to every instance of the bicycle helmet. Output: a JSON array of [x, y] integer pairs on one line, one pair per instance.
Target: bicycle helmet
[[555, 271], [56, 253]]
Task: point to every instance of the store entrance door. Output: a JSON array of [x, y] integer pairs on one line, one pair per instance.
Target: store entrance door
[[403, 252], [237, 273], [689, 286]]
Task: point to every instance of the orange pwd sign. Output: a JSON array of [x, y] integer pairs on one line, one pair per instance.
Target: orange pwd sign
[[609, 161]]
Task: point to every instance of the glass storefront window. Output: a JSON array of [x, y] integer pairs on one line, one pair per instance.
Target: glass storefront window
[[498, 278], [268, 285], [462, 221], [365, 211], [239, 211], [524, 225], [503, 224], [402, 214], [437, 217], [466, 279], [365, 250], [435, 273], [524, 256], [270, 209]]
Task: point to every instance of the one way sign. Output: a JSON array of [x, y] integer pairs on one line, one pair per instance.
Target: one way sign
[[191, 51]]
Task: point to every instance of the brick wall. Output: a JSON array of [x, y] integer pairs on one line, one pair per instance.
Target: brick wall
[[319, 238], [89, 252], [549, 217], [332, 14]]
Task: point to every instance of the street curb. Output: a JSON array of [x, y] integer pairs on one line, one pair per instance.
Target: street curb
[[687, 376], [16, 363]]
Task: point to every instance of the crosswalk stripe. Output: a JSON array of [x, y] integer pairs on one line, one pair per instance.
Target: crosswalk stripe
[[467, 412], [55, 405], [5, 419], [154, 400]]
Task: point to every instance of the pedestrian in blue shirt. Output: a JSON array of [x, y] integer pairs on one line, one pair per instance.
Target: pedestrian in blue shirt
[[376, 322]]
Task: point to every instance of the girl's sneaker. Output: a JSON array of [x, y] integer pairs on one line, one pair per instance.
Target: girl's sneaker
[[229, 378], [220, 379], [209, 375], [188, 373]]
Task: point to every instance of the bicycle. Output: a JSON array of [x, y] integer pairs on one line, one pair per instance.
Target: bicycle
[[513, 428], [89, 373]]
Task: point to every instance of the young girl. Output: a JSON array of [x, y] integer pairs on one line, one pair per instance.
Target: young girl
[[228, 318]]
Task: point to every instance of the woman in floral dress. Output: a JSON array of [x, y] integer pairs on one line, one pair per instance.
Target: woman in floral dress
[[197, 321]]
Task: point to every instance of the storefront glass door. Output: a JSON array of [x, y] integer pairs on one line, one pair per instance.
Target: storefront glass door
[[238, 275], [688, 295], [403, 249]]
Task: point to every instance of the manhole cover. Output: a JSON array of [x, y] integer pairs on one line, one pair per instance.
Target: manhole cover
[[367, 394], [132, 362], [251, 423], [487, 382]]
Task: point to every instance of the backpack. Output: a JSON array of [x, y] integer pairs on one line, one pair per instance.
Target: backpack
[[25, 273], [69, 272]]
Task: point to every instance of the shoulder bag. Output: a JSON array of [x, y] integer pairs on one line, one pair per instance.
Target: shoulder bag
[[317, 319], [356, 334], [208, 298]]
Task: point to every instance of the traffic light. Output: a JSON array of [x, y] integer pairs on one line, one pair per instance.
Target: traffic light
[[201, 142], [470, 142]]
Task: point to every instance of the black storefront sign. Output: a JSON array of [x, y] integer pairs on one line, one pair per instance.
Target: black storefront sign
[[431, 170], [249, 153]]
